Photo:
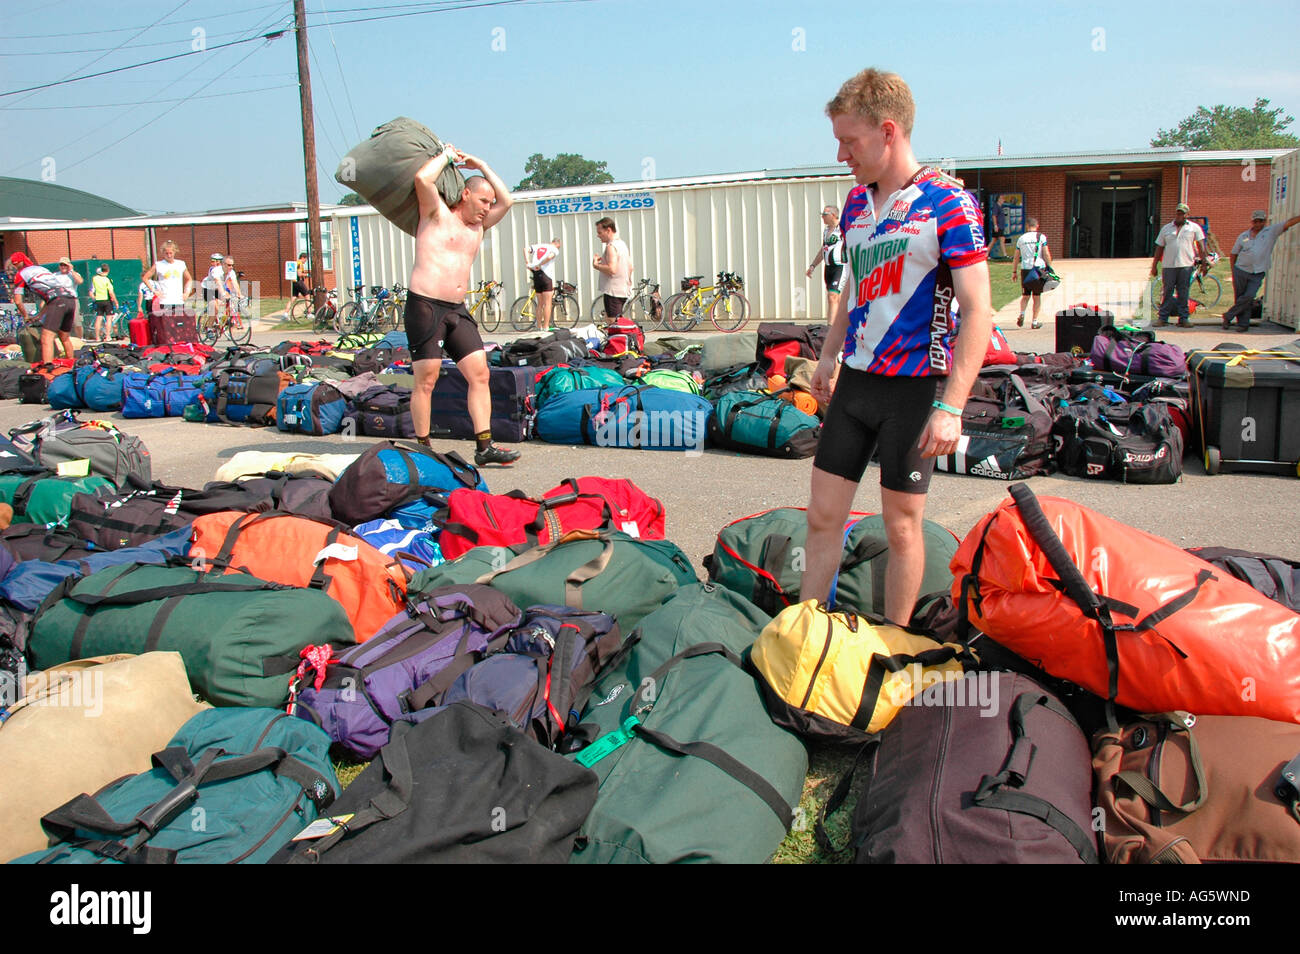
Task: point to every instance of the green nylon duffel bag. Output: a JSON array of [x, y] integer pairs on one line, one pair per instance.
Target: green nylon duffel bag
[[46, 498], [761, 557], [382, 171], [240, 636], [672, 380], [563, 380], [691, 767], [606, 572], [232, 786], [757, 423]]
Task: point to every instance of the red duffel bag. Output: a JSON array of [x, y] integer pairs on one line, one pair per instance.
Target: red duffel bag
[[1125, 614], [474, 518]]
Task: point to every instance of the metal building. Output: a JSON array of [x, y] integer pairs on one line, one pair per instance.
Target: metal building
[[1282, 287]]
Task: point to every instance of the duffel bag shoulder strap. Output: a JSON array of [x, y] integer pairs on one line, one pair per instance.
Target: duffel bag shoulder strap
[[574, 581], [1002, 790], [634, 728], [1150, 792]]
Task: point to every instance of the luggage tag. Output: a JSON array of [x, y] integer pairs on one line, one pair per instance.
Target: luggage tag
[[322, 827], [338, 551], [608, 744], [74, 468], [631, 529], [291, 419]]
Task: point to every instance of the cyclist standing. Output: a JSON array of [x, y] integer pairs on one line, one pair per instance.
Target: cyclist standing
[[101, 292], [615, 283], [175, 284], [58, 296], [446, 243], [915, 241], [832, 253], [540, 259]]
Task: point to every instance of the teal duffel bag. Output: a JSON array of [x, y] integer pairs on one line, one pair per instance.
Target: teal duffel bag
[[46, 498], [761, 557], [757, 423], [232, 787], [606, 572], [691, 767], [240, 636], [563, 380]]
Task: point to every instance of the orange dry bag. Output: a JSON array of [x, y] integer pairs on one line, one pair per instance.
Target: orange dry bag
[[1125, 614]]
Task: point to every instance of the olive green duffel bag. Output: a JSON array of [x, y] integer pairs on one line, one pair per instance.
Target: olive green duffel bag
[[691, 767], [382, 171], [240, 636]]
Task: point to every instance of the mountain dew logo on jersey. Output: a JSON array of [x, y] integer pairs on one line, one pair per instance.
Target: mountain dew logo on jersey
[[882, 265]]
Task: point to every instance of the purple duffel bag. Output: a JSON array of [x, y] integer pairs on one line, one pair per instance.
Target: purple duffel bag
[[402, 672], [1113, 350]]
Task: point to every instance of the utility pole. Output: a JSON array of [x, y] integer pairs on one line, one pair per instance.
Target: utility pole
[[309, 157]]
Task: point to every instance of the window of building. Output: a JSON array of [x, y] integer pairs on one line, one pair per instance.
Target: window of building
[[326, 243]]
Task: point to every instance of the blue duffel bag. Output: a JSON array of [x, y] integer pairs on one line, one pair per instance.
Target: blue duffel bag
[[158, 394], [644, 418], [30, 582], [312, 408]]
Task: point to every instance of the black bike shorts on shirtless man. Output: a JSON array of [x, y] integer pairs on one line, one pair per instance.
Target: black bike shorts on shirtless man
[[434, 327]]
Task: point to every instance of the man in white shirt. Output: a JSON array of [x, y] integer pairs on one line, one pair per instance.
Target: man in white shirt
[[615, 267], [214, 284], [1179, 246], [540, 259], [1031, 254], [1251, 255], [175, 284]]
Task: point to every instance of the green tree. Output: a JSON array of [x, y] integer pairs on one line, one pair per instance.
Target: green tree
[[352, 199], [1231, 127], [566, 169]]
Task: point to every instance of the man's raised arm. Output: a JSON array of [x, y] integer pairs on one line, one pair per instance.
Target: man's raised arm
[[504, 200], [426, 182]]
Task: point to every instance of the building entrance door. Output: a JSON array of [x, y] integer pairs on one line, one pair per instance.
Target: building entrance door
[[1113, 219]]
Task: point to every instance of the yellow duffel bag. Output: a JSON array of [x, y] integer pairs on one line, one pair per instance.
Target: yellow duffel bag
[[255, 463], [837, 676], [78, 727]]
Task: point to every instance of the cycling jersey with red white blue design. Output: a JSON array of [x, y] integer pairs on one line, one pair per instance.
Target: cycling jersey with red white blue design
[[903, 313]]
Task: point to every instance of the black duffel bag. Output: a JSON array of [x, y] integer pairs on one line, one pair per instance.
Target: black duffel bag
[[463, 786]]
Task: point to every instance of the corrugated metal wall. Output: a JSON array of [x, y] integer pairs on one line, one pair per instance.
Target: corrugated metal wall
[[1282, 288], [767, 230]]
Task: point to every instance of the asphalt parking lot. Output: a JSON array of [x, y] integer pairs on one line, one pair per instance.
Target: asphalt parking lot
[[704, 492]]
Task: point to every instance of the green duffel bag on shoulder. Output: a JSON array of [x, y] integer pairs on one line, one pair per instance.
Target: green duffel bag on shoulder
[[46, 498], [240, 636], [382, 171], [761, 557], [607, 572], [231, 787], [691, 767]]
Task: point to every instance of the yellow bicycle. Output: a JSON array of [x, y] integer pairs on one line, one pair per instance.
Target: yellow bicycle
[[564, 308], [484, 304], [723, 303]]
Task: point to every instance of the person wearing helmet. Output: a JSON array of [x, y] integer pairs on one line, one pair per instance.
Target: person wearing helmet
[[58, 297]]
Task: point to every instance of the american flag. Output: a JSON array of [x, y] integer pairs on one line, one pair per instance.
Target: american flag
[[999, 147]]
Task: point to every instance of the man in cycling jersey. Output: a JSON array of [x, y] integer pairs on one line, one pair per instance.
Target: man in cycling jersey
[[540, 259], [832, 253], [914, 241], [58, 302]]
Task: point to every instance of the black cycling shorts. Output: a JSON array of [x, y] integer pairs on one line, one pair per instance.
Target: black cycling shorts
[[1034, 287], [58, 314], [433, 327], [104, 307], [542, 282], [614, 307], [870, 410], [834, 276]]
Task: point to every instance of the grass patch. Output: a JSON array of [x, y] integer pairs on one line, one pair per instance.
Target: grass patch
[[826, 764]]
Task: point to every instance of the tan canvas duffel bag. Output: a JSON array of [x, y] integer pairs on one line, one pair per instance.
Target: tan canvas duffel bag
[[80, 726]]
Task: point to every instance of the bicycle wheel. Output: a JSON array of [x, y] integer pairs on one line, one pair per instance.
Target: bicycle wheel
[[209, 328], [635, 309], [1207, 290], [300, 309], [687, 311], [388, 318], [489, 316], [346, 318], [565, 311], [729, 312], [239, 327], [521, 313], [597, 310]]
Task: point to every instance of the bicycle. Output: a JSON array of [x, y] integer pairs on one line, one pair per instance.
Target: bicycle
[[564, 308], [1204, 288], [323, 317], [725, 306], [643, 306], [378, 312], [235, 321], [484, 304]]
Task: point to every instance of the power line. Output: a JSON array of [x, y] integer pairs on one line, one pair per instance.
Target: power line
[[337, 59], [271, 35], [152, 102], [137, 46], [213, 16], [328, 96]]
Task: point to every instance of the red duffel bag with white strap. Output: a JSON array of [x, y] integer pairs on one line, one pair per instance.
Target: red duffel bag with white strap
[[474, 518], [1125, 614]]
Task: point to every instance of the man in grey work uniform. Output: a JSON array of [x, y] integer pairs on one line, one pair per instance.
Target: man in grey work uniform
[[1250, 257]]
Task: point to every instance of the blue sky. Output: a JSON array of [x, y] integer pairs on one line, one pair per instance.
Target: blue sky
[[671, 88]]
